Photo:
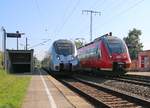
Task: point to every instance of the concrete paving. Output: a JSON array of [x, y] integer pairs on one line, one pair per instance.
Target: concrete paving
[[46, 92], [72, 97], [36, 96], [139, 73]]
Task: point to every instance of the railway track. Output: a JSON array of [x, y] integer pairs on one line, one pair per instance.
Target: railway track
[[142, 81], [103, 96], [139, 88], [132, 80], [137, 78]]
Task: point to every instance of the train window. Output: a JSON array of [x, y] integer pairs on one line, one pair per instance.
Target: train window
[[98, 53], [81, 55], [64, 49], [116, 46], [90, 53]]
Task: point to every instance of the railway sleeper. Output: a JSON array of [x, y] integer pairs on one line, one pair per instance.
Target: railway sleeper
[[110, 100], [119, 104], [129, 105], [124, 96]]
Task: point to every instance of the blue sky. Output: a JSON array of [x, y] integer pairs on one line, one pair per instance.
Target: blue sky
[[63, 19]]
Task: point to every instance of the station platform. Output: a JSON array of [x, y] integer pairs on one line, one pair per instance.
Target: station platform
[[145, 74], [46, 92]]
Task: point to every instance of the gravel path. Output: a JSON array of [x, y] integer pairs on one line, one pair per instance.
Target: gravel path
[[132, 88], [139, 90]]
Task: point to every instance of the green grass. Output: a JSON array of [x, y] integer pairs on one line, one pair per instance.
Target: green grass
[[12, 89]]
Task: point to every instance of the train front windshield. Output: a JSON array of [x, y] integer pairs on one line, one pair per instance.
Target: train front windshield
[[64, 49], [116, 45]]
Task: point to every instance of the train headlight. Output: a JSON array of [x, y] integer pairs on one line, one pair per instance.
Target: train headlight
[[110, 56], [72, 58], [58, 57]]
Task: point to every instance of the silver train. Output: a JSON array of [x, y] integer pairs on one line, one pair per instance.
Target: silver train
[[62, 57]]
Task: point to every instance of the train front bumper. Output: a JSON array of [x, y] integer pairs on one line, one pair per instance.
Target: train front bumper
[[120, 66], [65, 67]]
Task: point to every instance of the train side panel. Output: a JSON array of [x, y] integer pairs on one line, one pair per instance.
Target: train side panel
[[105, 54]]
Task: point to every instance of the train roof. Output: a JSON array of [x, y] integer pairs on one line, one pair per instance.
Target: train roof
[[106, 36], [62, 41]]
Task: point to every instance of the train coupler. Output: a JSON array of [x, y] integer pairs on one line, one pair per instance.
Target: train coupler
[[118, 67], [61, 66]]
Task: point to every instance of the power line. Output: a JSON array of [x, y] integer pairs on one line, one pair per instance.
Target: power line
[[91, 15], [41, 17], [70, 14], [39, 12], [90, 7], [63, 17], [112, 5], [115, 6], [38, 8], [131, 7], [120, 13], [39, 44], [97, 2]]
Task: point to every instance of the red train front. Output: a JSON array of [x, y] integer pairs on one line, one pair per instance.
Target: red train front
[[105, 53]]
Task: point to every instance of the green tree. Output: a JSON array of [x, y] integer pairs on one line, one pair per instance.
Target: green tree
[[36, 62], [133, 42], [79, 42], [44, 62]]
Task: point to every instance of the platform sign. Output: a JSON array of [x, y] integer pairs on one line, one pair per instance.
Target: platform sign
[[14, 35]]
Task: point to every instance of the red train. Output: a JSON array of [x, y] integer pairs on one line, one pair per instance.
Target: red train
[[105, 53]]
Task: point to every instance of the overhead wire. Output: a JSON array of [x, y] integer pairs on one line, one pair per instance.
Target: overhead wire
[[39, 12], [61, 27], [70, 14], [115, 6], [63, 17], [109, 7], [41, 19], [68, 17], [94, 5], [120, 13], [140, 1], [39, 44]]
